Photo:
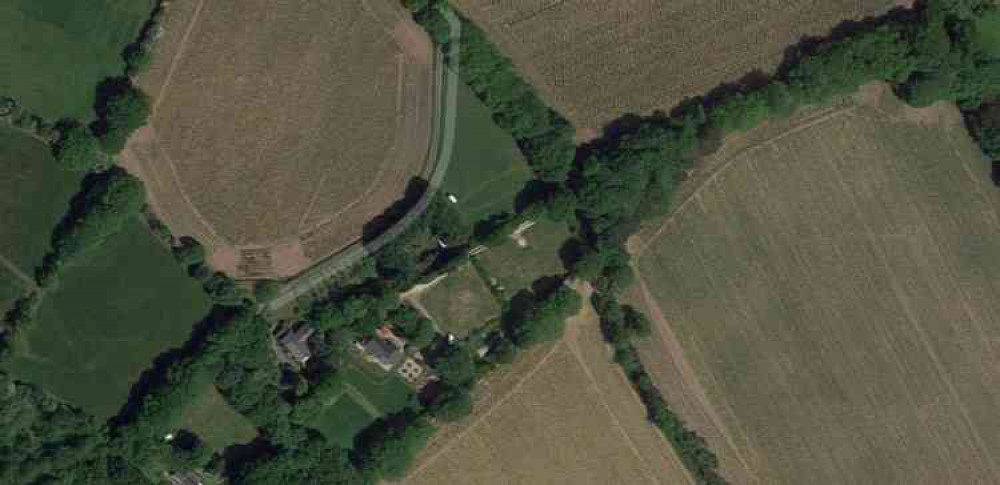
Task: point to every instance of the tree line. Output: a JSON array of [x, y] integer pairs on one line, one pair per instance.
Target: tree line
[[628, 176]]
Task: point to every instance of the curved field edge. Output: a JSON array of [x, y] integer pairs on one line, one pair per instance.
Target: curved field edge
[[323, 228], [755, 365]]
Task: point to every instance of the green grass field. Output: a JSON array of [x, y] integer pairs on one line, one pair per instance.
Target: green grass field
[[54, 52], [214, 421], [367, 393], [343, 420], [487, 170], [988, 32], [34, 195], [833, 291], [11, 288], [515, 268], [106, 321], [461, 302]]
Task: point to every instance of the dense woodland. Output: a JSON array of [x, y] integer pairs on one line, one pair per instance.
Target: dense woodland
[[607, 188]]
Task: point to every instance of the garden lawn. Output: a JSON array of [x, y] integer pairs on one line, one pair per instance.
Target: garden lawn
[[53, 53], [210, 417], [107, 319], [34, 195], [340, 422], [487, 170], [461, 302], [367, 393], [386, 391], [515, 268]]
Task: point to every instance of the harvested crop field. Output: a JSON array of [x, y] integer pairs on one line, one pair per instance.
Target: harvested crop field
[[562, 413], [825, 303], [596, 60], [281, 128]]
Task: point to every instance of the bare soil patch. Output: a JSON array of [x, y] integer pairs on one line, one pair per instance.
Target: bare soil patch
[[281, 128], [597, 60]]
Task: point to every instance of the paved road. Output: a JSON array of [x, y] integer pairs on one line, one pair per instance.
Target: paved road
[[442, 147]]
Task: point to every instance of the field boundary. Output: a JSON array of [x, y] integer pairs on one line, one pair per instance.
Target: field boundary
[[6, 263], [571, 337], [482, 417], [686, 372], [444, 129], [720, 168]]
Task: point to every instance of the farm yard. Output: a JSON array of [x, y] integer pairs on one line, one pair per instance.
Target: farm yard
[[487, 169], [54, 52], [516, 267], [281, 128], [460, 302], [562, 414], [824, 302], [596, 61], [106, 321]]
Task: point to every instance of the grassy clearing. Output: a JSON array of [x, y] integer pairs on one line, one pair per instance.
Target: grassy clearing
[[833, 291], [988, 32], [106, 321], [515, 268], [34, 195], [54, 52], [461, 302], [487, 170], [210, 417]]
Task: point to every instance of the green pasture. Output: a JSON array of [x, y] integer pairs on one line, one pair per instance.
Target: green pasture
[[487, 170], [107, 319], [53, 53], [34, 195]]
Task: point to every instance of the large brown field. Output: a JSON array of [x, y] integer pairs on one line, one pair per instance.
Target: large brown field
[[826, 302], [563, 413], [281, 127], [595, 60]]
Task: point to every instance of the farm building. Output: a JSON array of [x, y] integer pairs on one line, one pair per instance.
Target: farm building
[[293, 342], [387, 350]]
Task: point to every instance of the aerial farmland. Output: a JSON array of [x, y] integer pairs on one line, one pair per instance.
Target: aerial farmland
[[280, 129], [595, 61], [568, 405], [824, 305], [422, 242]]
